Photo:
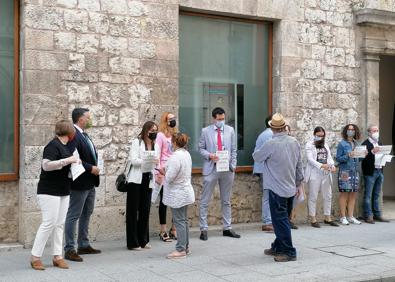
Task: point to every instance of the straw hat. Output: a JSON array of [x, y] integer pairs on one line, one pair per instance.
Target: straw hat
[[277, 121]]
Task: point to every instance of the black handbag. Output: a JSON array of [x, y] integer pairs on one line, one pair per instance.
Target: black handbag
[[121, 183]]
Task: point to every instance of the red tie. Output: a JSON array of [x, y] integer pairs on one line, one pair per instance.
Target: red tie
[[219, 141]]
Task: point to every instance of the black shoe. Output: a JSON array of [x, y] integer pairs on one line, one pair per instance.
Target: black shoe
[[203, 235], [331, 223], [293, 226], [88, 251], [316, 224], [380, 219], [269, 252], [230, 233], [72, 255], [284, 258]]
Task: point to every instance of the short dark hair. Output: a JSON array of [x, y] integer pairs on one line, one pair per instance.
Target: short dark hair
[[77, 113], [64, 128], [181, 139], [319, 129], [357, 131], [146, 127], [269, 118], [217, 111]]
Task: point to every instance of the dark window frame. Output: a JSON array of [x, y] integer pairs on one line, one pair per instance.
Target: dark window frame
[[15, 174], [270, 66]]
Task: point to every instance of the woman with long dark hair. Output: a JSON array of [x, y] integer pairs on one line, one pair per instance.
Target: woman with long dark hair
[[143, 157]]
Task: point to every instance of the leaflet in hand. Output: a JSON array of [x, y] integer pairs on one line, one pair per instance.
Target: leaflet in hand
[[359, 152], [100, 163], [385, 150], [149, 161], [155, 192], [76, 168], [223, 161], [383, 156]]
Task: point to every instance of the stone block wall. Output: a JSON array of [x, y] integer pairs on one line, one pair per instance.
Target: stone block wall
[[120, 59], [117, 57], [8, 211]]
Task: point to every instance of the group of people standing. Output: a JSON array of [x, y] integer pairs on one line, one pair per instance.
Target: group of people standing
[[278, 162], [159, 159], [62, 201]]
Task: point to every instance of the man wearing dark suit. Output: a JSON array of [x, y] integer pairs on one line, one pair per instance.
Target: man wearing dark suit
[[82, 196], [374, 178]]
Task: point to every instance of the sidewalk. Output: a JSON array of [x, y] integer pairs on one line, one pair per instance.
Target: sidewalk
[[346, 253]]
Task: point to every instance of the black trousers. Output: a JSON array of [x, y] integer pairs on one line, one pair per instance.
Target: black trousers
[[162, 209], [138, 204]]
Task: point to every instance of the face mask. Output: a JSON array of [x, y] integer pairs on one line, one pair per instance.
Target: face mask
[[318, 138], [350, 133], [219, 123], [88, 124], [172, 123], [375, 136], [152, 135]]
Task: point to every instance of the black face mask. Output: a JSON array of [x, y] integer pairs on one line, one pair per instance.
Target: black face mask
[[172, 123], [152, 135], [320, 144]]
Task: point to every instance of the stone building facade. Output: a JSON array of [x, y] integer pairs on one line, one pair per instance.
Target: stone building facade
[[120, 58]]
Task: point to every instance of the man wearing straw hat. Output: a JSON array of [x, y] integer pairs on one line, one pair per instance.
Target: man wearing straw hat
[[282, 173]]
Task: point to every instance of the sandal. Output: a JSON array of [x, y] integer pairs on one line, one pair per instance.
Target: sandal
[[164, 237], [171, 233]]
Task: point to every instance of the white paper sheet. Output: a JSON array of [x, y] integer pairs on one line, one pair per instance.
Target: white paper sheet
[[385, 150], [76, 168], [100, 164], [155, 192], [301, 197], [359, 152], [223, 161], [381, 159], [149, 161]]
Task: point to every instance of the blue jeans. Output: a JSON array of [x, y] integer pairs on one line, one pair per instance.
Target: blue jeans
[[371, 199], [80, 208], [266, 217], [280, 208]]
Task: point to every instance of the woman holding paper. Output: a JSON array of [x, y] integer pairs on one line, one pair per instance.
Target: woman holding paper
[[178, 192], [318, 176], [143, 157], [349, 178], [53, 195], [167, 127]]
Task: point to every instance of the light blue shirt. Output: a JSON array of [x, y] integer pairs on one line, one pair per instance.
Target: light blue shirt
[[265, 136], [282, 164]]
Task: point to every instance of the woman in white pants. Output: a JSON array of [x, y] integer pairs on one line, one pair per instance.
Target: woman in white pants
[[53, 195], [318, 176]]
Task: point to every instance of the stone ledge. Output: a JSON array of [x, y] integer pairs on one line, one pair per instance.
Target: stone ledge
[[374, 17], [8, 247]]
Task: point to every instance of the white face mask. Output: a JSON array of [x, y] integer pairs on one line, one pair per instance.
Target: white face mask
[[375, 136]]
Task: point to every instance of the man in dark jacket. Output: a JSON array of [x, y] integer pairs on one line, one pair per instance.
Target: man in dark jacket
[[82, 195], [373, 176]]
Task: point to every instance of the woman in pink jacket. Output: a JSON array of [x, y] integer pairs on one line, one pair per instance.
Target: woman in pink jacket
[[167, 127]]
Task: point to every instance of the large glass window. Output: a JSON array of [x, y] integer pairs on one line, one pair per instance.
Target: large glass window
[[8, 89], [224, 63]]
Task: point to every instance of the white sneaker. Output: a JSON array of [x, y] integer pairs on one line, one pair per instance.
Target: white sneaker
[[353, 220], [344, 221]]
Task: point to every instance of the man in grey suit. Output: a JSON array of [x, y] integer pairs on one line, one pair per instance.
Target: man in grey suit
[[217, 137]]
